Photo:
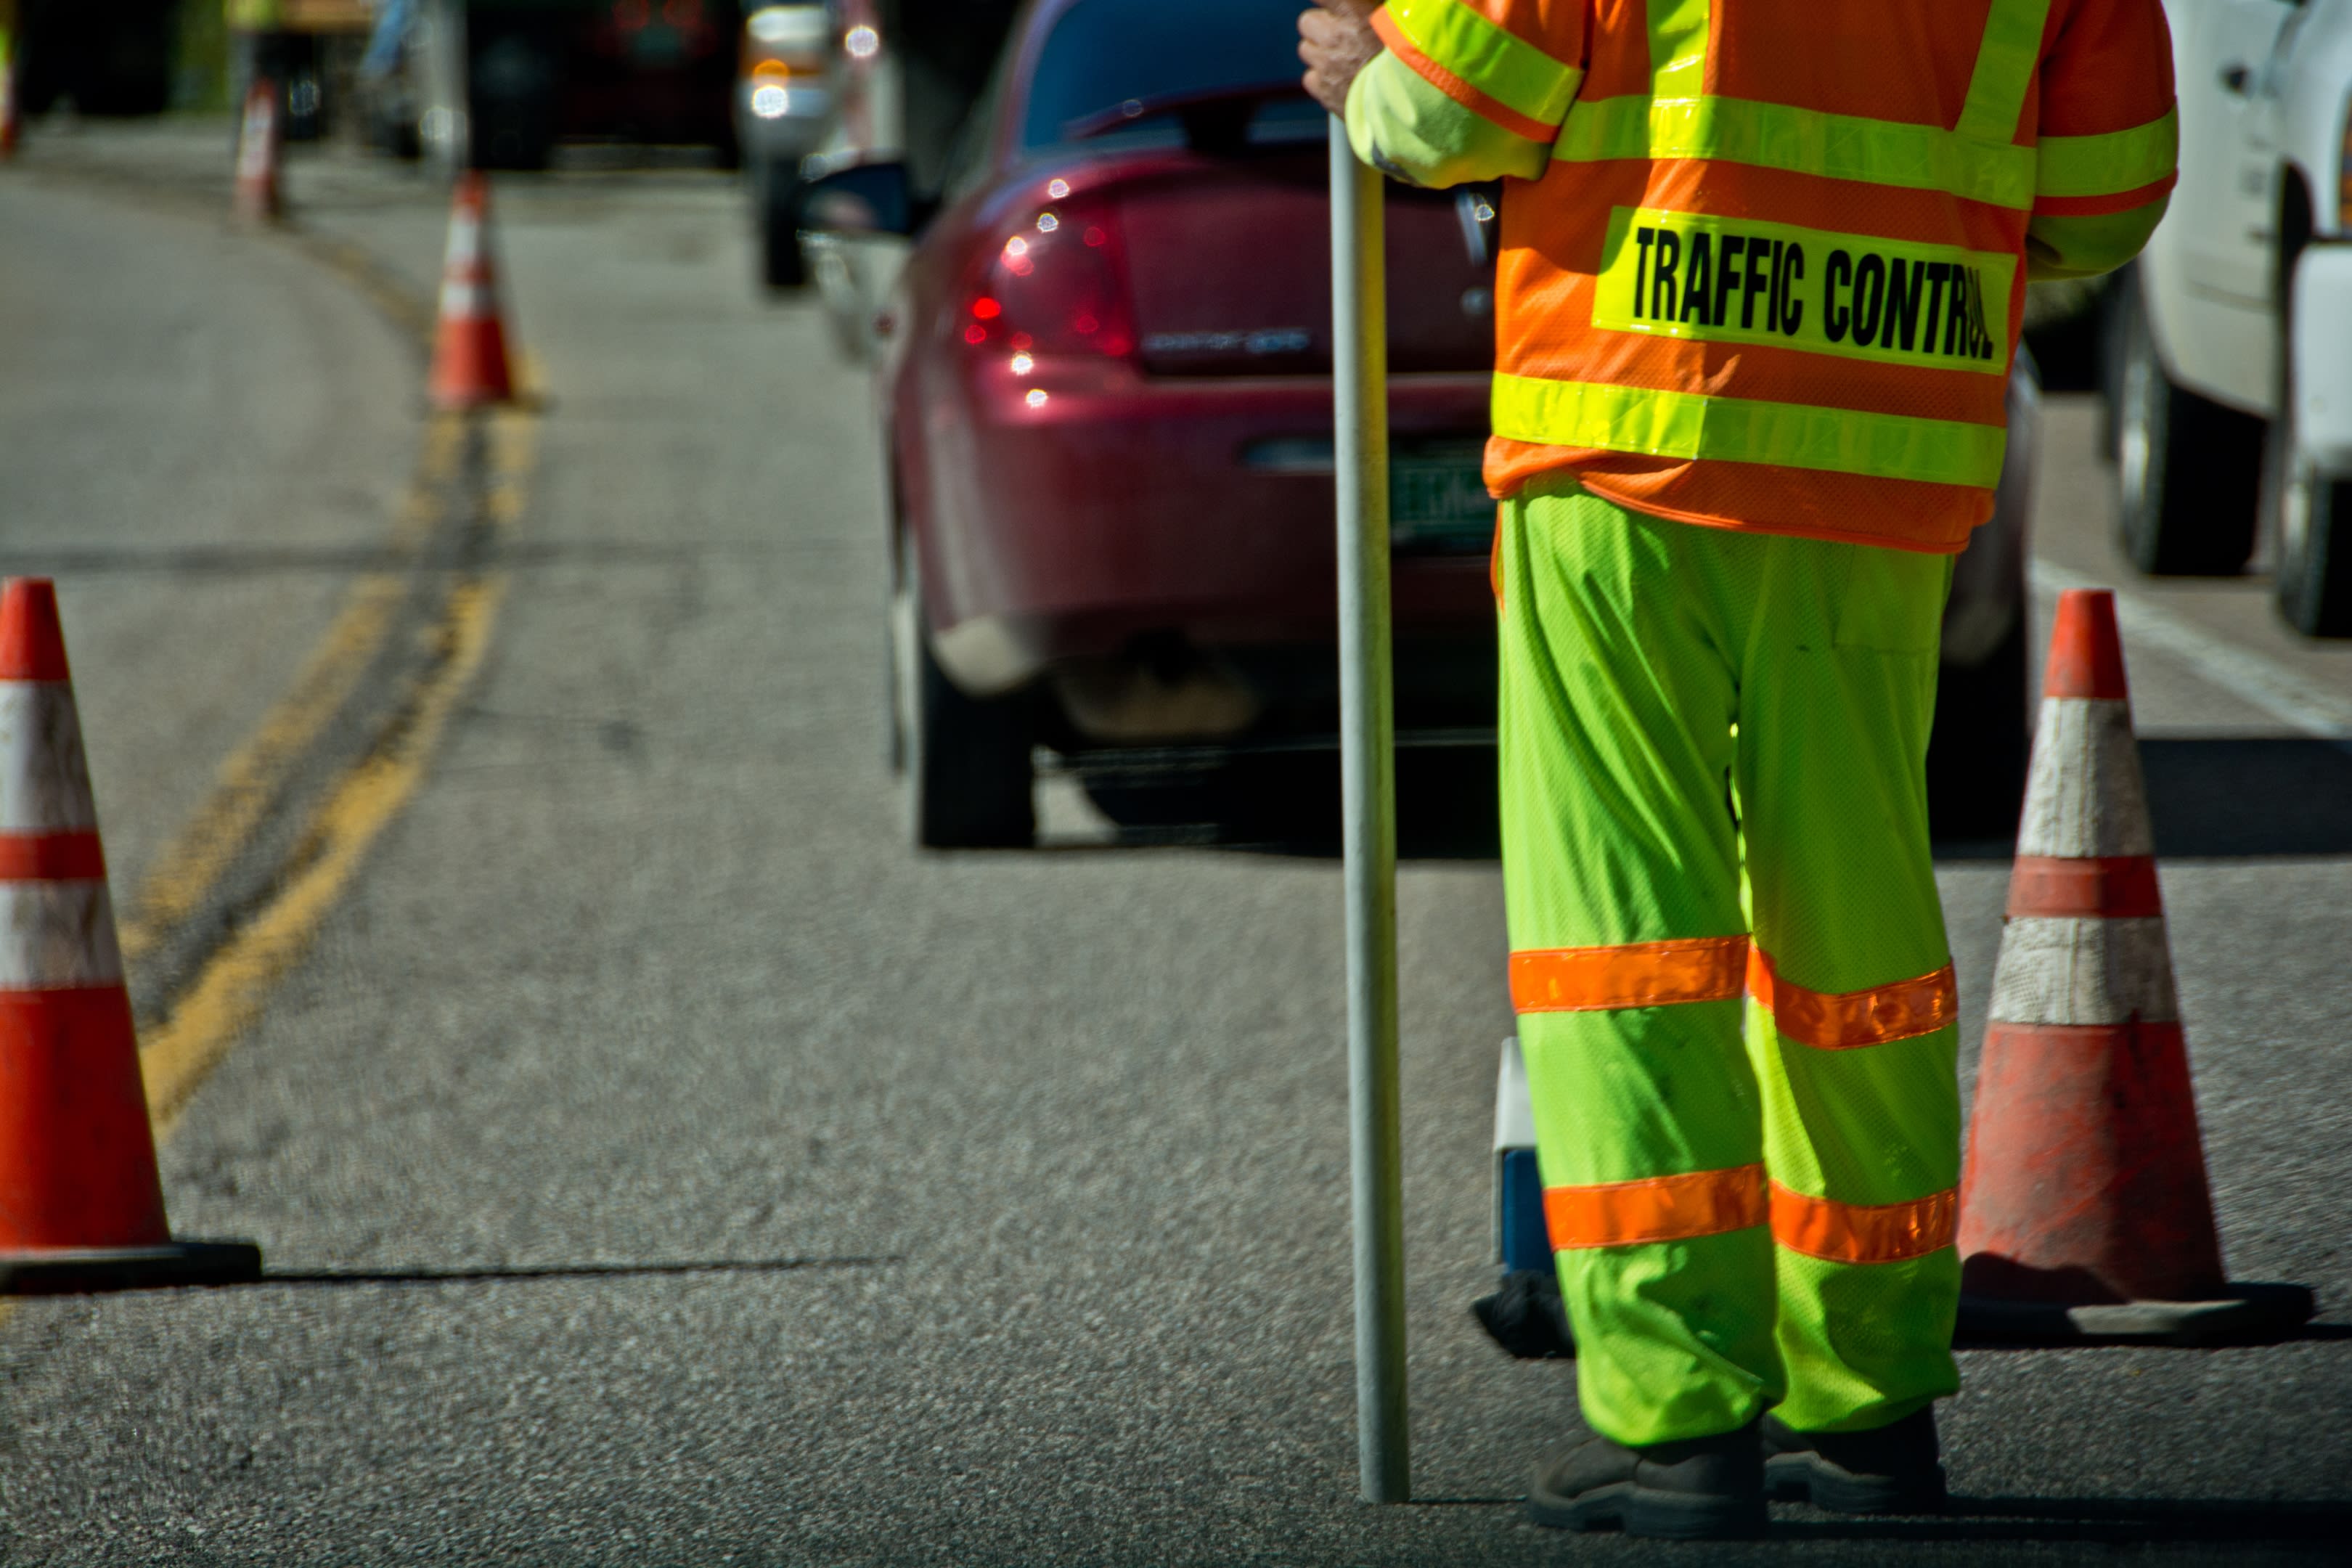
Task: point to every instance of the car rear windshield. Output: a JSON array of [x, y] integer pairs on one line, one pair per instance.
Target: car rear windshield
[[1104, 53]]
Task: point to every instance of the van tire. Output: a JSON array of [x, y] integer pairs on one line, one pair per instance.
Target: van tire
[[2188, 470]]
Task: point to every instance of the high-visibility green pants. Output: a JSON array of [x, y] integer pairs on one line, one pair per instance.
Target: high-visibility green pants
[[1728, 960]]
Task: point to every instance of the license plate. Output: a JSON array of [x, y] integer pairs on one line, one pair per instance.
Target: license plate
[[1438, 504]]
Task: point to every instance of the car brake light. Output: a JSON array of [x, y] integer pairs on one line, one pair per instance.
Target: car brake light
[[1055, 286]]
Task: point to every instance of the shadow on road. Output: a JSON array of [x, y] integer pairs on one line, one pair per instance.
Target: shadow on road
[[2113, 1520], [334, 1277], [2249, 796], [2223, 797], [2304, 1333]]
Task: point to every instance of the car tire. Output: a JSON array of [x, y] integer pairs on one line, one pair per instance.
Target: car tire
[[782, 265], [2188, 470], [2314, 511], [1978, 750], [964, 762]]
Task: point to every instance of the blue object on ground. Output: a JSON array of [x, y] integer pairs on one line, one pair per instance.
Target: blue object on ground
[[1526, 1244]]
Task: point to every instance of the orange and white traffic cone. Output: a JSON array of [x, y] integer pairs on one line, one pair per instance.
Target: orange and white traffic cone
[[469, 350], [81, 1207], [260, 140], [2084, 1211]]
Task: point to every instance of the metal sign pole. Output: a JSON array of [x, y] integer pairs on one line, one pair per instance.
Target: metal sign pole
[[1368, 806]]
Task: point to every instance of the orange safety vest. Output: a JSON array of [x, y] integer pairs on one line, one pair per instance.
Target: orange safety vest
[[1774, 273]]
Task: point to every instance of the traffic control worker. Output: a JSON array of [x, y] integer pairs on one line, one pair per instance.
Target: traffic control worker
[[1761, 276]]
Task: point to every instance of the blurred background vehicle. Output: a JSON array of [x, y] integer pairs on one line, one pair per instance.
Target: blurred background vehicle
[[105, 57], [1105, 388], [911, 72], [2229, 339], [500, 82], [787, 101]]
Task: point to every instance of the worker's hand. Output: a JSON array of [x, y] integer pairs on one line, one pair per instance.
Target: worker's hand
[[1336, 40]]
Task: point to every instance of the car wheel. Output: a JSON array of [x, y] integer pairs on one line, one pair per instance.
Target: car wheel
[[781, 263], [965, 761], [2314, 538], [1977, 751], [2189, 470]]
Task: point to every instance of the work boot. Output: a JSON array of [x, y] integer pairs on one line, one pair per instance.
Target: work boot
[[1699, 1489], [1895, 1469]]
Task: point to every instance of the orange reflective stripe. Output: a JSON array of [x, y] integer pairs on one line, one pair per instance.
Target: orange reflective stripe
[[1467, 94], [1635, 974], [1864, 1233], [1848, 1020], [1658, 1208]]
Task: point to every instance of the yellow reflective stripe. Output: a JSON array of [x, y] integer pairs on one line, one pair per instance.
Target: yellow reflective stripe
[[1677, 48], [2104, 165], [1855, 296], [2006, 63], [1801, 140], [1976, 161], [1511, 70], [1742, 430]]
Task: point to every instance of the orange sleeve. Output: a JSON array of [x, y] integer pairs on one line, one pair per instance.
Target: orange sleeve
[[2107, 132]]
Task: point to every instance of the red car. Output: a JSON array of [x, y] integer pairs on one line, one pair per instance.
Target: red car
[[1108, 399], [1105, 391]]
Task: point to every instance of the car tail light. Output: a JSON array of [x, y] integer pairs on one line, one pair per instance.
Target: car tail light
[[1055, 286]]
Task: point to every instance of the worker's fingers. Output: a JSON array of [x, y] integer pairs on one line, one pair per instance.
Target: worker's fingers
[[1326, 93]]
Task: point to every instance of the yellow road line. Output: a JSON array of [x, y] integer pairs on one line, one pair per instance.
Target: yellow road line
[[184, 873], [228, 996]]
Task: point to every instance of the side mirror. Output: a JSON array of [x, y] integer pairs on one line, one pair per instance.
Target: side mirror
[[860, 198]]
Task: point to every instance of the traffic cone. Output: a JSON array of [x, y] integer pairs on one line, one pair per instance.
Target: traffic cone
[[81, 1207], [260, 139], [469, 352], [2084, 1211]]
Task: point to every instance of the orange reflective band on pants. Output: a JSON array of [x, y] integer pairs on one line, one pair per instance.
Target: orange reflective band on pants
[[1635, 974], [1660, 1209], [1864, 1233], [1845, 1021]]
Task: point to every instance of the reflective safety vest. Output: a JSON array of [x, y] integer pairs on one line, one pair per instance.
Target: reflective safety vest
[[1767, 265]]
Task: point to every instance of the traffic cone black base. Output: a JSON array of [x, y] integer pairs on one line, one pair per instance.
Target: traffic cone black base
[[2244, 1312], [79, 1272]]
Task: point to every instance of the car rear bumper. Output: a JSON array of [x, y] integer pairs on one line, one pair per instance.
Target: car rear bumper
[[1085, 507]]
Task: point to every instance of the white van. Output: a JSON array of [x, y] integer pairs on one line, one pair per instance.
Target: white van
[[2230, 367]]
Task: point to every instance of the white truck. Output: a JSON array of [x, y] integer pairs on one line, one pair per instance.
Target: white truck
[[2229, 371]]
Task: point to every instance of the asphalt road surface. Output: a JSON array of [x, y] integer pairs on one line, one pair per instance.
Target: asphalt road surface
[[659, 1163]]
